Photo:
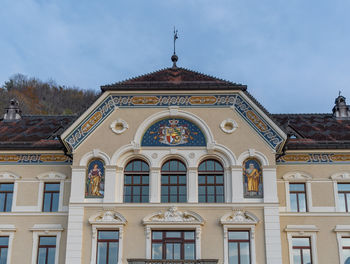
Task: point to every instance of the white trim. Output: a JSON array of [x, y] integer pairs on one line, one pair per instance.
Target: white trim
[[107, 220], [302, 231], [9, 177], [341, 230], [95, 153], [252, 153], [8, 230], [124, 124], [239, 220], [340, 177], [231, 122], [46, 230], [297, 176]]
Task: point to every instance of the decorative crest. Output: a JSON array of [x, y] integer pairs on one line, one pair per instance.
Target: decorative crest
[[107, 217], [238, 216]]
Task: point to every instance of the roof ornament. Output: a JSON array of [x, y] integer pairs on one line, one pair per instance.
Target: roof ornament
[[341, 110], [12, 112], [174, 58]]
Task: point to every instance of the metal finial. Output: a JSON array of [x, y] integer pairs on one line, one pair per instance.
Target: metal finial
[[339, 93], [174, 58]]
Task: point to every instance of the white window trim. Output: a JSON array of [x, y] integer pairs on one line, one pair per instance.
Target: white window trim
[[107, 220], [298, 177], [341, 230], [302, 231], [8, 230], [235, 221], [173, 219], [9, 177], [340, 177], [49, 178], [46, 230]]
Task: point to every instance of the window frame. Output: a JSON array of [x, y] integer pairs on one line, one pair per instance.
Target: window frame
[[180, 240], [341, 231], [51, 197], [6, 195], [136, 173], [301, 248], [239, 242], [297, 197], [178, 174], [346, 194], [8, 231], [46, 230], [106, 240], [295, 231], [46, 247], [214, 173]]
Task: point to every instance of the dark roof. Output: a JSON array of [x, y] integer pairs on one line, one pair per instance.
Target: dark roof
[[34, 132], [315, 131], [174, 79]]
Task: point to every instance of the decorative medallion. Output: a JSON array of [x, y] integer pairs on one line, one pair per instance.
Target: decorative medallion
[[119, 126], [173, 132], [228, 125]]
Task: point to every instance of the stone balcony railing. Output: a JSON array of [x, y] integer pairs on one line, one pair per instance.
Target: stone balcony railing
[[165, 261]]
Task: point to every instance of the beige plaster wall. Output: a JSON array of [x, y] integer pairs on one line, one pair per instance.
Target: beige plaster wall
[[322, 194], [212, 241]]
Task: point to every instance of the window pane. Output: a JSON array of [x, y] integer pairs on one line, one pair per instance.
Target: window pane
[[47, 241], [210, 179], [164, 190], [145, 166], [201, 190], [156, 251], [293, 202], [173, 199], [238, 235], [210, 165], [177, 251], [219, 190], [182, 199], [233, 253], [306, 256], [108, 235], [296, 187], [343, 187], [173, 179], [211, 198], [145, 179], [145, 199], [173, 189], [201, 179], [165, 179], [4, 241], [113, 253], [201, 167], [244, 252], [182, 167], [101, 253], [220, 199], [127, 199], [210, 190], [296, 256], [189, 235], [346, 256], [47, 202], [173, 234], [42, 256], [55, 200], [136, 190], [51, 256], [137, 165], [129, 167], [182, 179], [301, 242], [164, 199], [302, 202], [348, 201], [341, 202], [169, 251], [3, 259], [182, 190], [127, 179], [346, 241], [137, 179], [219, 179], [136, 198], [2, 202], [127, 190], [189, 251], [201, 199], [52, 187], [6, 187], [173, 165], [9, 202], [145, 190], [157, 235]]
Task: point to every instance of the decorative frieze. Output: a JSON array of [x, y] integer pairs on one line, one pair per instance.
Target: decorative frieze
[[34, 159], [316, 158]]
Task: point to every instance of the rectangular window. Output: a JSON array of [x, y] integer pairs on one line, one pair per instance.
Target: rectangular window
[[297, 194], [346, 249], [4, 246], [173, 245], [107, 246], [239, 247], [301, 250], [46, 250], [344, 197], [51, 197], [6, 194]]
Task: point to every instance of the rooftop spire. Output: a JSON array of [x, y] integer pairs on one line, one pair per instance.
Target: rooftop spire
[[12, 112], [174, 58], [341, 110]]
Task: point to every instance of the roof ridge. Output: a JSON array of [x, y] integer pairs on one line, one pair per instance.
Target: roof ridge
[[296, 114]]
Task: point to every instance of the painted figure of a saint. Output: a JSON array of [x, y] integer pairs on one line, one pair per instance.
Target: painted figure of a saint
[[252, 174], [95, 179]]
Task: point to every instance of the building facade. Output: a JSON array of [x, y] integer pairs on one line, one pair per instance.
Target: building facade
[[175, 167]]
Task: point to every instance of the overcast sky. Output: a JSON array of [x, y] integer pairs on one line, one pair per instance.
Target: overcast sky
[[294, 55]]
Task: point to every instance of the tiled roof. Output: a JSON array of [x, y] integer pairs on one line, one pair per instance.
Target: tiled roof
[[315, 131], [174, 79], [34, 132]]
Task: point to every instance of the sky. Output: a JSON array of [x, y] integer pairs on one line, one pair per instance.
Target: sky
[[294, 55]]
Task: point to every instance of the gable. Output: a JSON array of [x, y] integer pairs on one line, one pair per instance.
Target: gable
[[255, 117]]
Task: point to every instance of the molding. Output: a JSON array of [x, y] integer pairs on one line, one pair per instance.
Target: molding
[[7, 228], [297, 176], [95, 153], [34, 159], [173, 216], [46, 227], [238, 216], [342, 228], [51, 176], [314, 158], [341, 176], [108, 102], [301, 228], [107, 218], [228, 122], [9, 176], [123, 123], [252, 153]]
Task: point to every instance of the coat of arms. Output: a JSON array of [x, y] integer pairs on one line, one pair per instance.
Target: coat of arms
[[173, 133]]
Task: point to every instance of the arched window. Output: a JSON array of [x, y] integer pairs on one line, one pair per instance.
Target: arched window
[[174, 182], [210, 182], [136, 182]]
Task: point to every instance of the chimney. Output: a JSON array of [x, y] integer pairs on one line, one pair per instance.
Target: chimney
[[12, 113]]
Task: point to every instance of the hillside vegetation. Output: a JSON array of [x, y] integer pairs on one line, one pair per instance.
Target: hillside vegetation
[[37, 97]]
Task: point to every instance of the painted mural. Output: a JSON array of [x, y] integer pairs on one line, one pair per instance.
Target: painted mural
[[173, 132], [95, 179], [252, 178]]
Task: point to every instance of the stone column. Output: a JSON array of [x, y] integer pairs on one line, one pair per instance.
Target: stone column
[[110, 184], [77, 193], [237, 184], [192, 185], [119, 184], [74, 234], [154, 185], [270, 185], [272, 235]]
